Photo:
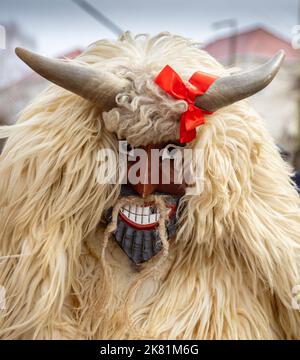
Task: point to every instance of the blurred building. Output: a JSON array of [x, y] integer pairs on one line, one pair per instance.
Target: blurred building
[[17, 94], [10, 68], [278, 103]]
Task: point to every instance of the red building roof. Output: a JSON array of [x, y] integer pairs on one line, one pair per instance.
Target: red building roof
[[257, 41]]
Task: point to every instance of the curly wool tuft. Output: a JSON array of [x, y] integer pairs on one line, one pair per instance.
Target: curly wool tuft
[[144, 111]]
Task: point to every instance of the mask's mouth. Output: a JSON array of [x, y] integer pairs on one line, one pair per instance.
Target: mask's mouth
[[138, 223], [145, 216]]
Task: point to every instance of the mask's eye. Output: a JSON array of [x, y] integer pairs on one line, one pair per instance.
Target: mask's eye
[[172, 151]]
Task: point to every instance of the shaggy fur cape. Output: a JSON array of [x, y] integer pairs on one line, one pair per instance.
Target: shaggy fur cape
[[229, 272]]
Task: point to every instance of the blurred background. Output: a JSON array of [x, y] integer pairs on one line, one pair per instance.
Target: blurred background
[[237, 33]]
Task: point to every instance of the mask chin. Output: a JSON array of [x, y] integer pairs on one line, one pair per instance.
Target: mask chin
[[137, 227]]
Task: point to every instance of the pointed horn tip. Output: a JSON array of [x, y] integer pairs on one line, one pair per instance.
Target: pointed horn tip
[[279, 56], [19, 50], [21, 53], [276, 63]]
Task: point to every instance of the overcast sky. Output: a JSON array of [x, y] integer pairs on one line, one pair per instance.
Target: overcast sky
[[60, 25]]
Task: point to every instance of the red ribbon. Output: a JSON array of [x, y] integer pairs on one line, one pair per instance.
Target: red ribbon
[[171, 83]]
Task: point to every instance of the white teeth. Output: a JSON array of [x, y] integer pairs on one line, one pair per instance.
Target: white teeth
[[138, 219], [146, 210], [139, 210], [153, 218], [132, 209], [125, 212], [142, 215]]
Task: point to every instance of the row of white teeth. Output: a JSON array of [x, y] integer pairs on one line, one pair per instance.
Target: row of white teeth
[[142, 215]]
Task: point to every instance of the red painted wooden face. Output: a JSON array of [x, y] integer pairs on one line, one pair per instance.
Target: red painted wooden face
[[148, 186], [157, 175]]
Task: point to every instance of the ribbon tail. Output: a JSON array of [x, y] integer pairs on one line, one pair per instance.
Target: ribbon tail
[[186, 135], [194, 117]]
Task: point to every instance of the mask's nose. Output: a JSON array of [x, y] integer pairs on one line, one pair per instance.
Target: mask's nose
[[150, 174], [144, 187], [144, 190]]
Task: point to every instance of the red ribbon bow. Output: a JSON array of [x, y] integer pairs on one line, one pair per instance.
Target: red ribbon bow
[[171, 83]]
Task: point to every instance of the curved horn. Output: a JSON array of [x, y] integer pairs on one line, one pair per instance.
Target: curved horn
[[100, 87], [229, 89]]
